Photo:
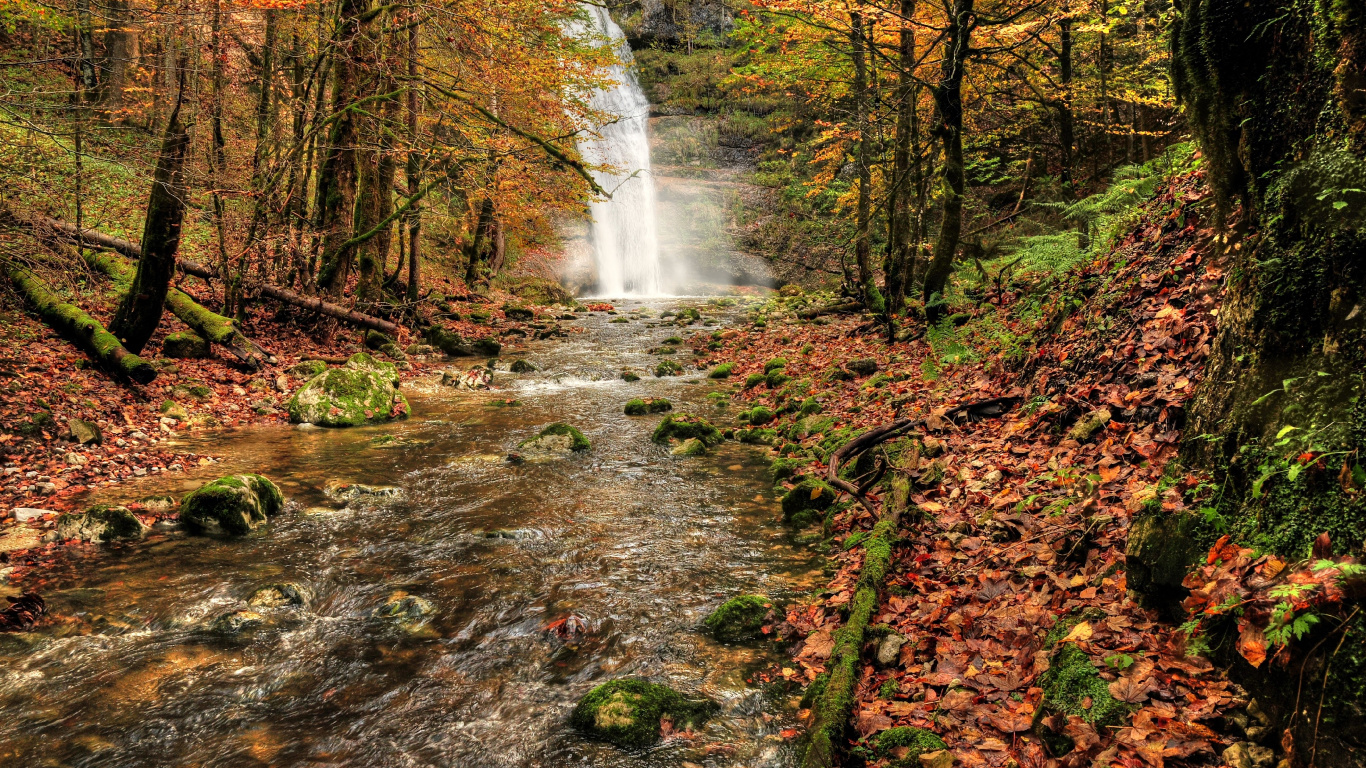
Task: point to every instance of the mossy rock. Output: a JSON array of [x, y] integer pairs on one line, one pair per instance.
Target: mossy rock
[[775, 364], [642, 406], [237, 623], [629, 376], [307, 369], [84, 432], [233, 505], [620, 320], [688, 316], [903, 745], [668, 368], [522, 366], [518, 312], [628, 712], [376, 340], [758, 415], [810, 495], [757, 436], [809, 407], [863, 366], [675, 340], [449, 342], [1161, 549], [721, 371], [191, 389], [538, 290], [488, 346], [361, 392], [739, 619], [174, 410], [686, 426], [184, 344], [100, 524], [690, 447], [1073, 686], [781, 469], [557, 437], [754, 380], [776, 379]]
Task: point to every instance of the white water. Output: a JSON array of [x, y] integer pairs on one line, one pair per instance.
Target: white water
[[625, 231]]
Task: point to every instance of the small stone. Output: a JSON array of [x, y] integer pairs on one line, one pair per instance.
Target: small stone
[[238, 622], [75, 459], [46, 489], [282, 383], [1245, 754], [278, 595], [864, 366], [26, 514], [690, 447], [85, 432], [889, 650], [938, 759]]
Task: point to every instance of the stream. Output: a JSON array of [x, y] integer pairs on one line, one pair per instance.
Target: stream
[[630, 544]]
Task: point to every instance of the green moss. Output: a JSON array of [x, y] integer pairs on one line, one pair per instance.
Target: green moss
[[758, 415], [781, 469], [522, 366], [688, 315], [674, 340], [775, 364], [642, 406], [917, 741], [739, 619], [307, 369], [628, 712], [721, 371], [776, 379], [685, 426], [757, 436], [668, 368], [629, 376], [234, 505], [754, 380], [560, 429], [808, 495], [1071, 680], [808, 407]]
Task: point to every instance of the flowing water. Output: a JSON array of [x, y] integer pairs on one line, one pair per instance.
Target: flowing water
[[625, 229], [638, 546]]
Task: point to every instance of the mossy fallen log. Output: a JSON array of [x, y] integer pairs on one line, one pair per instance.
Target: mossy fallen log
[[97, 239], [835, 704], [73, 323], [210, 325]]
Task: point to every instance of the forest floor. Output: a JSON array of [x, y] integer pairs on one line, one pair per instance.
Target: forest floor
[[1012, 542]]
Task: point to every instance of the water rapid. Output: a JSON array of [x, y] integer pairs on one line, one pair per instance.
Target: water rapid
[[625, 229]]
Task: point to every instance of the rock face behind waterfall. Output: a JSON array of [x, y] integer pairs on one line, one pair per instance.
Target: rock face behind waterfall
[[657, 22]]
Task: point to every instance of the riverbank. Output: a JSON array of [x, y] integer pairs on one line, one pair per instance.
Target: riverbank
[[1008, 623]]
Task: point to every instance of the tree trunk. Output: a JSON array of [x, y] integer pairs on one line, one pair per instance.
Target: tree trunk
[[897, 268], [119, 43], [1066, 140], [338, 174], [140, 310], [948, 100], [477, 252], [863, 245], [414, 171]]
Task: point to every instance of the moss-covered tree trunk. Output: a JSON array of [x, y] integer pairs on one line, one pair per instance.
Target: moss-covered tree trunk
[[337, 176], [1274, 91], [948, 102], [79, 327], [863, 242], [140, 310], [898, 265]]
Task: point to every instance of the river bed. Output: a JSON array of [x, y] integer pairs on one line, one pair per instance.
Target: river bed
[[629, 545]]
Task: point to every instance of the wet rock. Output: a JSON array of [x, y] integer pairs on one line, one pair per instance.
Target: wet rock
[[419, 350], [1245, 754], [629, 376], [687, 426], [174, 410], [642, 406], [351, 491], [158, 503], [360, 392], [84, 432], [233, 505], [1088, 425], [100, 524], [690, 447], [408, 612], [668, 368], [739, 619], [184, 344], [279, 595], [558, 438], [629, 712], [523, 366], [473, 379], [864, 366], [237, 622], [517, 312]]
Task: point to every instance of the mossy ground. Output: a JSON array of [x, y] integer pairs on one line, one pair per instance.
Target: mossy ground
[[889, 745]]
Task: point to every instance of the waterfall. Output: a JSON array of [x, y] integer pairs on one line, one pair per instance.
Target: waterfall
[[624, 233]]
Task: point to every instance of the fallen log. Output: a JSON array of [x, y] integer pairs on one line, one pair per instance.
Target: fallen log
[[830, 309], [205, 322], [72, 322], [97, 239]]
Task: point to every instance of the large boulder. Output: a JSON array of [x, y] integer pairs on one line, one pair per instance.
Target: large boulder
[[685, 426], [101, 523], [629, 712], [233, 505], [739, 618], [362, 391]]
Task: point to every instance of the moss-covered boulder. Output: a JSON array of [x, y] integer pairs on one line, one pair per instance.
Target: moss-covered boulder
[[863, 366], [84, 432], [688, 316], [668, 368], [629, 712], [376, 340], [522, 366], [100, 524], [686, 426], [775, 364], [1088, 425], [233, 505], [739, 619], [808, 497], [902, 746], [517, 312], [174, 410], [754, 380], [488, 347], [184, 344], [307, 369], [721, 371], [629, 376], [642, 406], [556, 438], [690, 447], [758, 415], [776, 379], [1160, 551], [361, 392], [781, 469]]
